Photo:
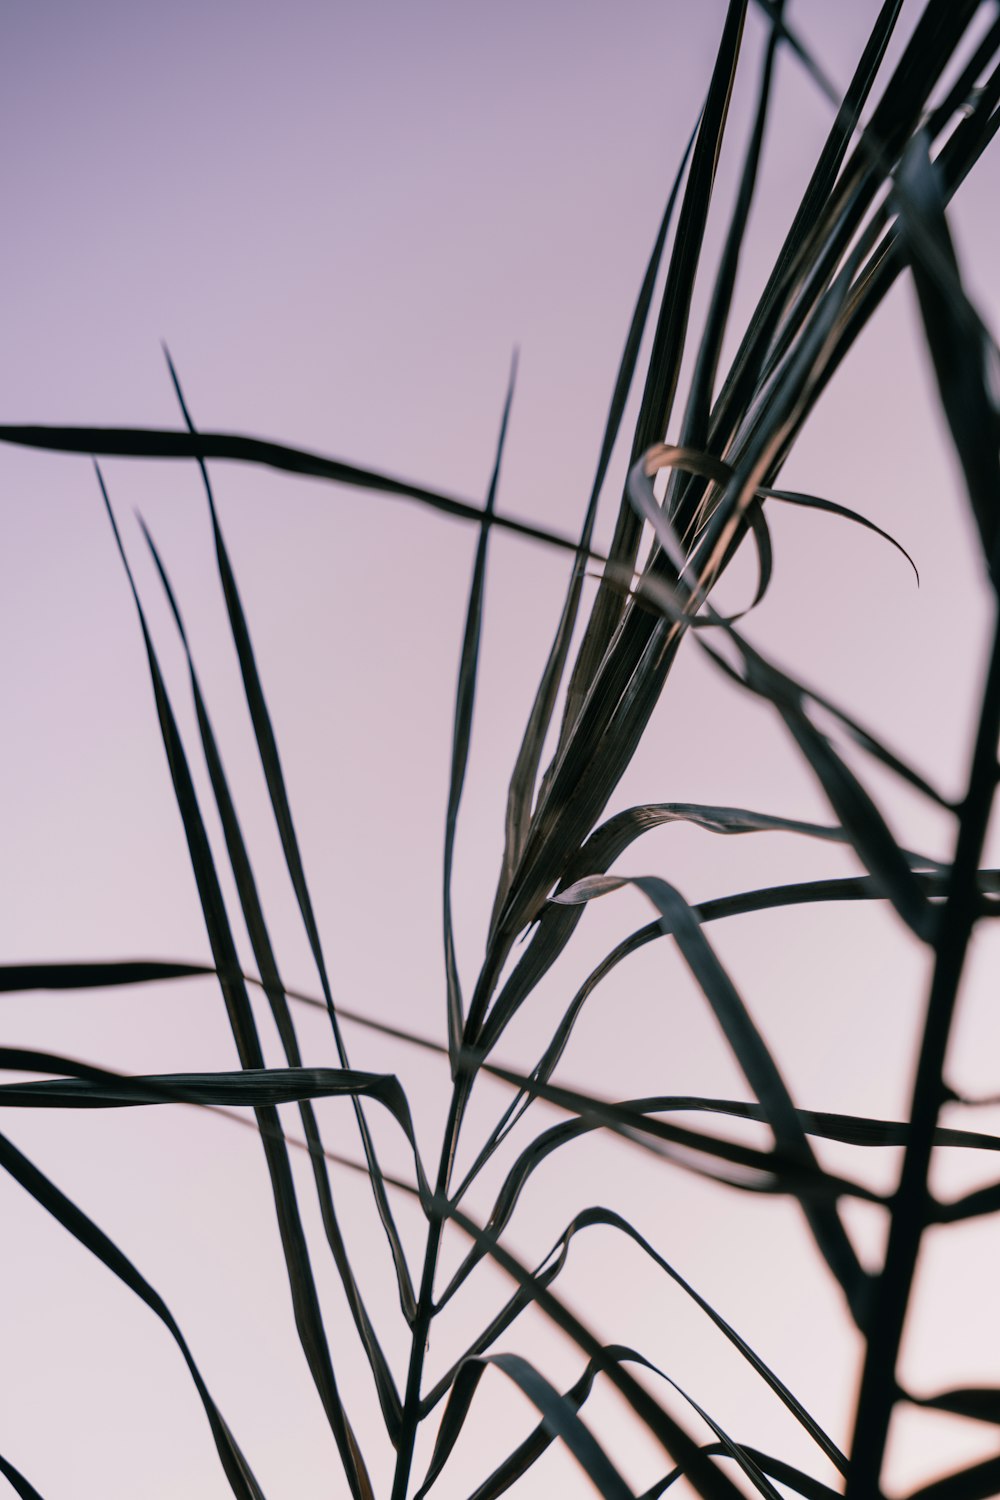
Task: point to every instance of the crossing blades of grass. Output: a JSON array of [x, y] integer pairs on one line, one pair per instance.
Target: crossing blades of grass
[[305, 1301], [270, 761]]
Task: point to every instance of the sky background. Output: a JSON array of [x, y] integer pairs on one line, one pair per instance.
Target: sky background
[[343, 218]]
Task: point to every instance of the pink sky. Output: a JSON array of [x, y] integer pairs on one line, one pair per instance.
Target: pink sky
[[342, 218]]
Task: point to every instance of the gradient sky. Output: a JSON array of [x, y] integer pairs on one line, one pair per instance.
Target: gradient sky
[[342, 218]]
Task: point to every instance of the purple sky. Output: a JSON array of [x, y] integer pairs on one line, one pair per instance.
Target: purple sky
[[342, 218]]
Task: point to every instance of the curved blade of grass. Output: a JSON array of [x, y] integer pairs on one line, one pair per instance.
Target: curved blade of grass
[[521, 791], [973, 1205], [978, 1483], [104, 974], [912, 1205], [165, 443], [762, 1075], [857, 813], [85, 1086], [977, 1403], [558, 921], [464, 1389], [676, 609], [465, 699], [741, 903], [267, 746], [855, 1130], [780, 1170], [956, 343], [832, 508], [263, 951], [308, 1318], [607, 1218], [775, 1468], [706, 1479], [65, 1212], [855, 809], [529, 1451], [17, 1481], [560, 1419]]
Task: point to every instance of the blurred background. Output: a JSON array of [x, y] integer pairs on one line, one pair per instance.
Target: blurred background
[[342, 219]]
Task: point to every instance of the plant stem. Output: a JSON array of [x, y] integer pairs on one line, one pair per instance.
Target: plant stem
[[425, 1298], [891, 1292]]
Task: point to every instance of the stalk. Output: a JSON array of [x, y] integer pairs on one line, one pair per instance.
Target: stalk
[[910, 1212], [425, 1299]]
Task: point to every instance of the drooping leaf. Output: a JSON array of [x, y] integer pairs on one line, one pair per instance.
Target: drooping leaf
[[65, 1212], [956, 342], [553, 1263], [165, 443], [832, 508], [706, 1479], [559, 1418], [761, 1072], [109, 973], [776, 1468]]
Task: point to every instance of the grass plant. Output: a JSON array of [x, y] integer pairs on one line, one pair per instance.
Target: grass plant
[[902, 141]]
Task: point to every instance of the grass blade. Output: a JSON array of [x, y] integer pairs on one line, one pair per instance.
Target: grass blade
[[762, 1075], [108, 974], [462, 733], [260, 941], [305, 1301], [270, 760], [17, 1481], [65, 1212], [832, 508], [978, 1483], [165, 443], [706, 1479], [696, 418], [775, 1468], [559, 1418], [955, 340], [556, 1259], [521, 791]]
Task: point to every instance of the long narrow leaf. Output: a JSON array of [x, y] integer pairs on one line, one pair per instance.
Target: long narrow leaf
[[465, 699], [165, 443], [761, 1073], [523, 778], [17, 1481], [305, 1300], [559, 1418], [73, 1219], [260, 940], [267, 746]]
